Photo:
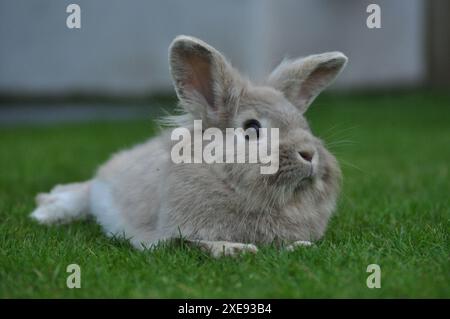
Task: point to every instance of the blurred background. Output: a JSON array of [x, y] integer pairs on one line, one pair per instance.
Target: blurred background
[[119, 56]]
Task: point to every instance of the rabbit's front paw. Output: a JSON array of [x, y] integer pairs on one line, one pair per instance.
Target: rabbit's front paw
[[223, 248], [300, 243], [232, 249]]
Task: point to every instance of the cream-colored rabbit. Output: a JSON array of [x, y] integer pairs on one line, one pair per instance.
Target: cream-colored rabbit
[[143, 195]]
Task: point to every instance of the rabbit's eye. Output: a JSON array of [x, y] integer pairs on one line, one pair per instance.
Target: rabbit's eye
[[254, 125]]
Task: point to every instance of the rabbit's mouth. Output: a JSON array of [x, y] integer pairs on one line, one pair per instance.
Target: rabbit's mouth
[[295, 175]]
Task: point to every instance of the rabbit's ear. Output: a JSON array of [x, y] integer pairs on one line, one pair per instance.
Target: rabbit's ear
[[303, 79], [202, 77]]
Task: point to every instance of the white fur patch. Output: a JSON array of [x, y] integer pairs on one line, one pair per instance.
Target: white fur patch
[[102, 206]]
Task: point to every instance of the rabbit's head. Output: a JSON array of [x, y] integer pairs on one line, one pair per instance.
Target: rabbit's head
[[210, 89]]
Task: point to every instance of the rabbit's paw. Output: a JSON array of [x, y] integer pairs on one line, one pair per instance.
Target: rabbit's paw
[[222, 248], [232, 249], [300, 243]]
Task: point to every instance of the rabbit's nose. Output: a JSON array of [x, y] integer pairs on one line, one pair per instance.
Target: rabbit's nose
[[307, 155]]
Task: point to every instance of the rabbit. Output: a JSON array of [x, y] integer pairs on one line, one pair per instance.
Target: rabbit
[[224, 208]]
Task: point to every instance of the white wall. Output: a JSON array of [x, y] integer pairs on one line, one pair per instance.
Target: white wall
[[391, 56], [122, 45]]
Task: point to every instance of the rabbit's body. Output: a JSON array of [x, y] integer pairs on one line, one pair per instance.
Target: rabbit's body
[[132, 193], [143, 195]]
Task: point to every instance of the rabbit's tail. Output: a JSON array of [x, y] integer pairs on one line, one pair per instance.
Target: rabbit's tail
[[63, 204]]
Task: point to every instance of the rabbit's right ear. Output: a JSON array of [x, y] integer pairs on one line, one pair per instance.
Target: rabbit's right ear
[[203, 79]]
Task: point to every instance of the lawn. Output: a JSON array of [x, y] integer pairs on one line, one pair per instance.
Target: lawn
[[394, 211]]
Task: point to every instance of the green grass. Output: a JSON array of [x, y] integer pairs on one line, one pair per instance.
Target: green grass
[[394, 211]]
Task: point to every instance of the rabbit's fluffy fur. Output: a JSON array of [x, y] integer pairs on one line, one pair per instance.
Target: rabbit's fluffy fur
[[224, 208]]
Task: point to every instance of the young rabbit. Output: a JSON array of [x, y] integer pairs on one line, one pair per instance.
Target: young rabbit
[[228, 208]]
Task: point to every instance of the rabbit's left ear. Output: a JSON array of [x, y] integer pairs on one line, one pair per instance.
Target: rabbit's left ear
[[303, 79]]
